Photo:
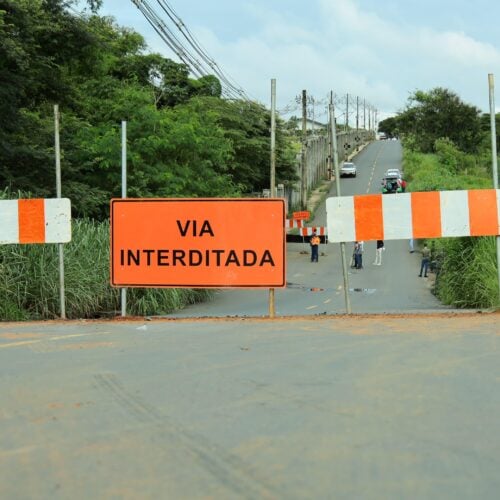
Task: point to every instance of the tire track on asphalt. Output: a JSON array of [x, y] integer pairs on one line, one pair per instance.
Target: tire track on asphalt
[[231, 472]]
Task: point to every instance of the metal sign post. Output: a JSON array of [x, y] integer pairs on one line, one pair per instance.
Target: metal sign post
[[333, 132], [60, 246], [491, 82], [272, 306], [123, 291]]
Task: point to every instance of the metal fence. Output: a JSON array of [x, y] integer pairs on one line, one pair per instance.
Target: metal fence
[[316, 162]]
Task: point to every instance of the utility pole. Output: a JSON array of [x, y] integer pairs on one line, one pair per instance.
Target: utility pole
[[312, 124], [330, 141], [347, 113], [333, 133], [494, 160], [357, 113], [364, 114], [304, 152]]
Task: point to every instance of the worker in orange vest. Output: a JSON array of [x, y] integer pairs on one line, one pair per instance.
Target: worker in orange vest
[[314, 242]]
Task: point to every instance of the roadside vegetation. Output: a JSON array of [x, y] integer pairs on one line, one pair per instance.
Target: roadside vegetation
[[447, 146], [183, 140], [30, 281]]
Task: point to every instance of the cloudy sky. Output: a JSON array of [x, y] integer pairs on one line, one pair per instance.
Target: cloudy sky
[[380, 51]]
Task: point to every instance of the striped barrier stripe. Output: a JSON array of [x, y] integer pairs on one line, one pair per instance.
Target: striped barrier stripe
[[308, 231], [35, 221], [433, 214], [293, 223]]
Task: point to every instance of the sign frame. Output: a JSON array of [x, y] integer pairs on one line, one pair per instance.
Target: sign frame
[[197, 243]]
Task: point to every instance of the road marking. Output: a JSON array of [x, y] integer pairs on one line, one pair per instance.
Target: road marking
[[50, 339], [311, 307], [373, 168]]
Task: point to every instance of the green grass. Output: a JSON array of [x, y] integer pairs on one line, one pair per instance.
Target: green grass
[[29, 281], [468, 276]]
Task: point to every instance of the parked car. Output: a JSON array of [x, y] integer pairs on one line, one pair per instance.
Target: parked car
[[348, 169], [393, 182]]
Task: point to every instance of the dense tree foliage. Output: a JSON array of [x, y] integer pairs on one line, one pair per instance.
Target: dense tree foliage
[[437, 114], [182, 138]]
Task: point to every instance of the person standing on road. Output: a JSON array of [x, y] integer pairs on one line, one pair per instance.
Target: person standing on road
[[358, 254], [314, 242], [426, 254], [378, 253]]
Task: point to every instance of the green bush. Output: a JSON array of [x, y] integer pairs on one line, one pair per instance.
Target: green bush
[[467, 275]]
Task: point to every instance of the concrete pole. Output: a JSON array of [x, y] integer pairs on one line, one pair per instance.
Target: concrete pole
[[357, 113], [364, 114], [272, 306], [347, 113], [303, 187], [60, 247], [330, 144], [333, 132], [312, 124], [123, 291], [491, 84]]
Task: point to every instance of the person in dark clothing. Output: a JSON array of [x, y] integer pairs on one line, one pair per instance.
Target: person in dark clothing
[[358, 254], [426, 258]]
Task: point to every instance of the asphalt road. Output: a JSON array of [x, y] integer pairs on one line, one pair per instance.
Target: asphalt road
[[365, 407], [318, 288], [304, 406]]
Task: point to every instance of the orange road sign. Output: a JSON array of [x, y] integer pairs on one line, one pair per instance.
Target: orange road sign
[[198, 243], [304, 215]]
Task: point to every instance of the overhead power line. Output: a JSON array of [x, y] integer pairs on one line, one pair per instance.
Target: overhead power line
[[193, 55]]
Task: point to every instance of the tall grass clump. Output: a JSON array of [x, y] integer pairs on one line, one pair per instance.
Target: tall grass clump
[[29, 281], [468, 275]]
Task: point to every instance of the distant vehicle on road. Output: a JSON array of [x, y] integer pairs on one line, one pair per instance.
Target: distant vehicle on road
[[348, 169], [382, 136], [392, 181], [393, 172]]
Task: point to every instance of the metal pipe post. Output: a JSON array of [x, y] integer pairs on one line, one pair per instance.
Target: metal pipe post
[[123, 291], [491, 84], [60, 248], [333, 131], [272, 307]]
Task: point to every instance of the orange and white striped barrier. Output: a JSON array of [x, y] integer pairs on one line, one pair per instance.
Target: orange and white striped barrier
[[308, 231], [35, 221], [294, 223], [433, 214]]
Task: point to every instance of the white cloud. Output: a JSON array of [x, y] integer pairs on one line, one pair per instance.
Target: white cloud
[[348, 49]]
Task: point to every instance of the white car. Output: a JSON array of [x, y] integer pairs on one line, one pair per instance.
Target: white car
[[348, 169]]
